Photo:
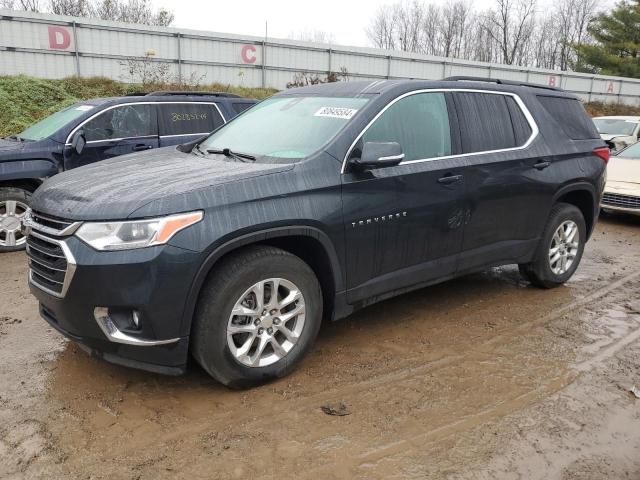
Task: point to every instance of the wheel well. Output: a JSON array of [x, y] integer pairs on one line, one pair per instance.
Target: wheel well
[[312, 253], [29, 184], [584, 201]]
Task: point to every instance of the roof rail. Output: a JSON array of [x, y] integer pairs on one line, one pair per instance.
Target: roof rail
[[136, 94], [499, 82], [166, 93]]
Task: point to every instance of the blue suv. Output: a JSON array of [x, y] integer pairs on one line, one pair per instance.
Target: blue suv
[[98, 129]]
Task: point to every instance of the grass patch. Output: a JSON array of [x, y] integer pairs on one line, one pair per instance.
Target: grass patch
[[25, 100]]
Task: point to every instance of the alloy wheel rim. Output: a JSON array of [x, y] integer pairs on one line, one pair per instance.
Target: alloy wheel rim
[[11, 214], [266, 322], [564, 247]]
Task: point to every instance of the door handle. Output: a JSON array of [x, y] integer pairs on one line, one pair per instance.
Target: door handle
[[140, 147], [449, 179], [541, 165]]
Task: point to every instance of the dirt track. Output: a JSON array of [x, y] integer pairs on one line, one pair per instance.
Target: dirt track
[[483, 377]]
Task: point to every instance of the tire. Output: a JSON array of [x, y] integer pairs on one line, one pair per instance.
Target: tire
[[225, 288], [540, 271], [13, 204]]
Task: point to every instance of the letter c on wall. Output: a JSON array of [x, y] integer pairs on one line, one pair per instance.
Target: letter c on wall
[[248, 54], [59, 38]]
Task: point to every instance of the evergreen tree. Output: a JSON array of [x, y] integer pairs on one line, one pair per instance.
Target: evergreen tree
[[617, 43]]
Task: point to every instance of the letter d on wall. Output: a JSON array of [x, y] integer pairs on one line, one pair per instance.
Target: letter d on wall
[[59, 38]]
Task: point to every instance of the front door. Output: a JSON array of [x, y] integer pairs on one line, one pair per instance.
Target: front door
[[404, 224], [116, 131]]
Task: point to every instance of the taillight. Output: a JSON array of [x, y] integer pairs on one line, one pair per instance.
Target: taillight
[[603, 152]]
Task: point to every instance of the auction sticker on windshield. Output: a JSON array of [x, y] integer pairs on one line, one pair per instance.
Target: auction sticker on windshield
[[336, 112]]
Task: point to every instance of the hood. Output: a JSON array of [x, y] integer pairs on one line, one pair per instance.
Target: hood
[[626, 170], [114, 189]]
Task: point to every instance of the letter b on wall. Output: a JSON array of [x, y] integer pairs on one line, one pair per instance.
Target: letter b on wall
[[59, 38]]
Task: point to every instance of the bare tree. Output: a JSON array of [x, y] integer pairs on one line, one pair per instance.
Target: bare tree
[[316, 36], [510, 25], [75, 8], [132, 11], [512, 32], [29, 5]]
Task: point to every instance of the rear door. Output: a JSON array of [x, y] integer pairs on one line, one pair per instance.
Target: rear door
[[504, 181], [116, 131], [183, 122], [404, 224]]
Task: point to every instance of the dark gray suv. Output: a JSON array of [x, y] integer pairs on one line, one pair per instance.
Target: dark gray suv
[[314, 203]]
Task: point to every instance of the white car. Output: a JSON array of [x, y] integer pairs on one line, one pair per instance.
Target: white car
[[619, 132], [622, 191]]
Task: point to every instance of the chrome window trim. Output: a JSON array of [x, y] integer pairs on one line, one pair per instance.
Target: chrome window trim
[[119, 139], [534, 127], [71, 267], [84, 122], [185, 135]]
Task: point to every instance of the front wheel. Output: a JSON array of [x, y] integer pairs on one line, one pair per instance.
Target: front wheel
[[258, 315], [560, 249], [14, 203]]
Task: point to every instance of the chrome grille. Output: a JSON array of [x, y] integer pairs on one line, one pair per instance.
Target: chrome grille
[[50, 222], [48, 225], [623, 201], [51, 265]]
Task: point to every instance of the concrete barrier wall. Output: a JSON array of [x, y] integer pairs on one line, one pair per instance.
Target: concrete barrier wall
[[52, 46]]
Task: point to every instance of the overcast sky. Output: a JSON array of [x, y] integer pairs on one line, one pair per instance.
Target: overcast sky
[[345, 19]]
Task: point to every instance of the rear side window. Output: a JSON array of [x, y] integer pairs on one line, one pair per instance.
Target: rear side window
[[188, 118], [126, 121], [419, 123], [485, 122], [570, 116]]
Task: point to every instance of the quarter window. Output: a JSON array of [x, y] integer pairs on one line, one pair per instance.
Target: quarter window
[[127, 121], [188, 118], [419, 123]]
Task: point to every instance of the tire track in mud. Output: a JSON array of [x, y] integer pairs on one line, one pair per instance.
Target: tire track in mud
[[350, 465], [406, 373]]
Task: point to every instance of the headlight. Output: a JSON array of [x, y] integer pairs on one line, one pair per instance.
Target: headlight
[[136, 233]]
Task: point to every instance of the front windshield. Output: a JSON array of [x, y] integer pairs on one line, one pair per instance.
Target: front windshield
[[615, 126], [50, 125], [285, 127], [631, 152]]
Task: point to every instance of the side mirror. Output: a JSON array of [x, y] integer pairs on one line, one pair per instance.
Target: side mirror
[[379, 155], [78, 141]]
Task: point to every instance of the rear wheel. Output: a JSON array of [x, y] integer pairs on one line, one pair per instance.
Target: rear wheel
[[257, 316], [14, 203], [560, 249]]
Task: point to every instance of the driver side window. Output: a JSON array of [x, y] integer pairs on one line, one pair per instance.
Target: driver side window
[[127, 121], [419, 123]]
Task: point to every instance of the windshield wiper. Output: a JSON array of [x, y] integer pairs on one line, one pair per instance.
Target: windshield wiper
[[16, 138], [243, 157]]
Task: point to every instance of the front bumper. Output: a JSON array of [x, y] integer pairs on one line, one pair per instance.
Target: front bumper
[[154, 282]]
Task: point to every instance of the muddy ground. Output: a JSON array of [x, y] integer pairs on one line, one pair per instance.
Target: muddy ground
[[483, 377]]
